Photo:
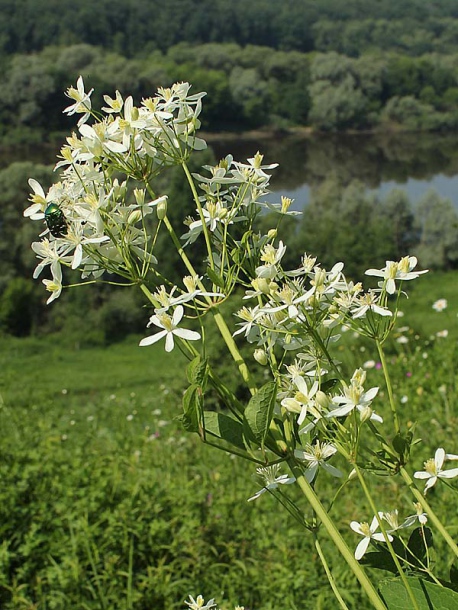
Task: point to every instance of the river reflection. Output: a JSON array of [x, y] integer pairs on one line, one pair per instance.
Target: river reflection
[[414, 162], [381, 162]]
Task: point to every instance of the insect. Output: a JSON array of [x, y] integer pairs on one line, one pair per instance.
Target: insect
[[55, 220]]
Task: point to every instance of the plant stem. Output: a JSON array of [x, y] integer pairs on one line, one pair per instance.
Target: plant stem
[[336, 537], [388, 386], [387, 541], [332, 582]]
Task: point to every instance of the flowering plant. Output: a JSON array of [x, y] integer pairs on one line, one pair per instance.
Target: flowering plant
[[104, 217]]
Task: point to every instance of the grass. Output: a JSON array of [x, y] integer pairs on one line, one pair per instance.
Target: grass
[[106, 504]]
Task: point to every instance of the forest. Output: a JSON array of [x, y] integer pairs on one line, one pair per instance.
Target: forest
[[317, 64]]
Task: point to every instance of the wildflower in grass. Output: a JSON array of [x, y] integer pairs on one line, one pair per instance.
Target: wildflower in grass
[[433, 469], [199, 603], [442, 334], [403, 270], [169, 324], [440, 305], [369, 532], [270, 476], [316, 456]]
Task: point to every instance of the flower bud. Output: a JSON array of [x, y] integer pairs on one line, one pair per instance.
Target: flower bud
[[134, 217], [162, 209], [272, 233], [260, 356], [322, 400], [365, 413]]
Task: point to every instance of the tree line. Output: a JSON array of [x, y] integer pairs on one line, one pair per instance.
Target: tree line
[[139, 27], [248, 87]]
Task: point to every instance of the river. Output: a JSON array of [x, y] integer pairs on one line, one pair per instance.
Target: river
[[414, 162]]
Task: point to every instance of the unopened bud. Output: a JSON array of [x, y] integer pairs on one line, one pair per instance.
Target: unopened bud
[[134, 114], [263, 285], [260, 356], [272, 233], [162, 209], [134, 217], [322, 400], [365, 413]]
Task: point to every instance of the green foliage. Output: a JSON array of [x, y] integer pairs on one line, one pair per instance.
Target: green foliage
[[105, 504]]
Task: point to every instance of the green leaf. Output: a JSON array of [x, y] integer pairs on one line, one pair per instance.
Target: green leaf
[[428, 596], [215, 278], [193, 402], [420, 539], [224, 427], [382, 559], [197, 372], [259, 412], [454, 574]]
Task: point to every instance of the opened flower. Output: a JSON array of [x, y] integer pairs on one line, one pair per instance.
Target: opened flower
[[169, 324], [433, 469], [369, 533]]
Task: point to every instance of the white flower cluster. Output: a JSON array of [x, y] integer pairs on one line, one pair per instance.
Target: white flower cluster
[[100, 220]]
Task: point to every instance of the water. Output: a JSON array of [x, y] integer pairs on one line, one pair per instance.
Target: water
[[412, 162]]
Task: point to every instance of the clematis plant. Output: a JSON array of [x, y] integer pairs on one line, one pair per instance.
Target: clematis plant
[[307, 416]]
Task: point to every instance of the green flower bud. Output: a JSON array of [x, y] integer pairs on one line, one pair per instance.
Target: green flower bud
[[162, 209], [260, 356]]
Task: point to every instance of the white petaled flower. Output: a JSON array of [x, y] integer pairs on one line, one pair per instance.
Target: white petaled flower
[[356, 398], [440, 305], [303, 399], [316, 456], [199, 603], [368, 302], [402, 270], [442, 334], [169, 324], [420, 515], [82, 102], [54, 286], [271, 256], [272, 480], [369, 532], [433, 469]]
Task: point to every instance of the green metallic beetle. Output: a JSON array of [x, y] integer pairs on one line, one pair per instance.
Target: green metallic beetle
[[55, 220]]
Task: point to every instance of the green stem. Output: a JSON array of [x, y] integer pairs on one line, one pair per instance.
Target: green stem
[[336, 537], [388, 387], [388, 543], [431, 514], [332, 582], [201, 214]]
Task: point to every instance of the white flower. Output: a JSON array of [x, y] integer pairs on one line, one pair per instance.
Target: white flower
[[440, 305], [271, 256], [356, 398], [198, 604], [397, 271], [420, 515], [316, 455], [272, 481], [303, 399], [54, 286], [82, 101], [366, 302], [170, 328], [368, 533], [442, 334], [433, 469]]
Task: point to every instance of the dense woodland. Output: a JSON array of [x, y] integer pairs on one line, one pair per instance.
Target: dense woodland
[[331, 66]]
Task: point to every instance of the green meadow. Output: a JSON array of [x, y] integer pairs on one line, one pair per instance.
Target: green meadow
[[106, 503]]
